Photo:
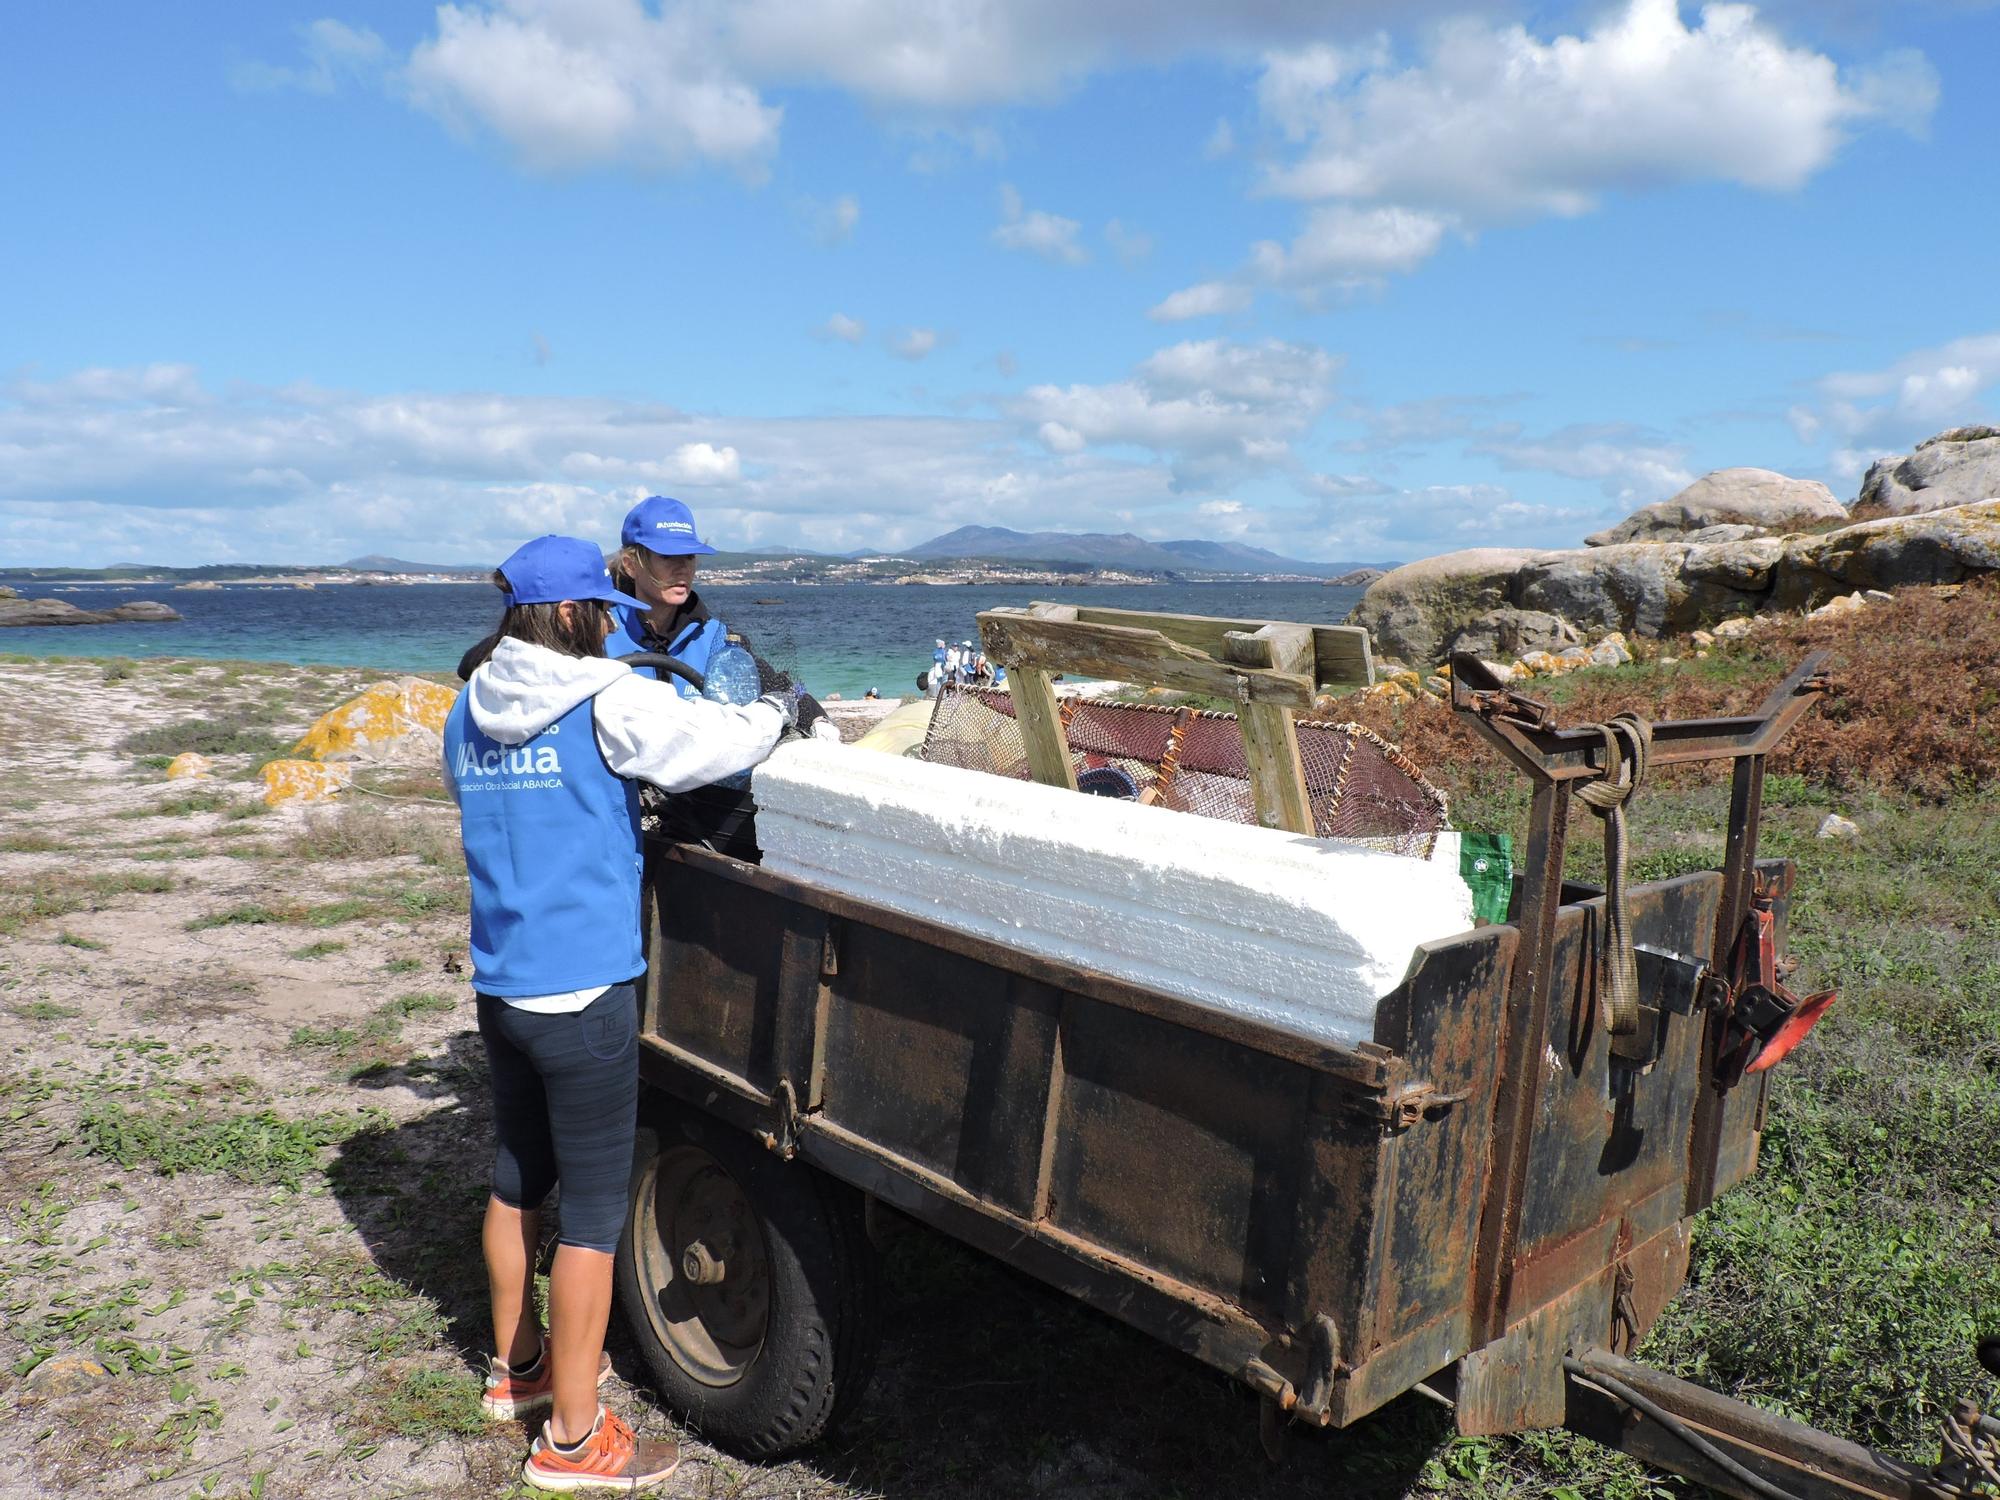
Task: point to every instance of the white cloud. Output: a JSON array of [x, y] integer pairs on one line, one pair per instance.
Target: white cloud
[[1343, 246], [570, 86], [1919, 394], [657, 84], [959, 54], [1204, 300], [847, 330], [1045, 234], [1217, 411], [334, 52], [1130, 245], [1496, 126], [914, 343], [307, 474], [1220, 143], [1627, 463], [831, 223], [1384, 524]]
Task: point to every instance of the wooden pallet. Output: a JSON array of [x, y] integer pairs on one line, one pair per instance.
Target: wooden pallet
[[1267, 668]]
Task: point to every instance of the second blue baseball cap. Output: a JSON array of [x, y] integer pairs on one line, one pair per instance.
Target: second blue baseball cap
[[552, 568], [663, 525]]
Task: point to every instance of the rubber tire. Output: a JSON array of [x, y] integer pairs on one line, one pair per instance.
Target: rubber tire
[[820, 1342]]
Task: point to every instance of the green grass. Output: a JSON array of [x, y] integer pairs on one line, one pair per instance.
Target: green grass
[[45, 1010], [184, 805], [1845, 1283], [425, 1404], [257, 1146], [256, 914], [244, 730], [75, 940], [320, 949], [402, 965], [60, 893], [420, 1004]]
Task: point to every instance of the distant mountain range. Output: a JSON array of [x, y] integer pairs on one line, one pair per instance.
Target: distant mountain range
[[1099, 549]]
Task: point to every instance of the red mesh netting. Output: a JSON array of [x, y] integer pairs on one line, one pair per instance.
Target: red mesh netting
[[1360, 786]]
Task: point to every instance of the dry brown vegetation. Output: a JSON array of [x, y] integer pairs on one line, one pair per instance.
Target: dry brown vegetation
[[1916, 706]]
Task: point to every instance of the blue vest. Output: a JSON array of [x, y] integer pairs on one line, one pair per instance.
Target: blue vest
[[695, 643], [552, 846]]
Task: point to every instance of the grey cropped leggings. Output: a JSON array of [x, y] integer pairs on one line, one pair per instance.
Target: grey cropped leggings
[[565, 1104]]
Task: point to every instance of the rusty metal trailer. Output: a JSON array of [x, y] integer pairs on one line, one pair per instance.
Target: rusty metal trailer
[[1490, 1199]]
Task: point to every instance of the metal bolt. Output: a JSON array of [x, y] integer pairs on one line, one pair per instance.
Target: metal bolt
[[701, 1267]]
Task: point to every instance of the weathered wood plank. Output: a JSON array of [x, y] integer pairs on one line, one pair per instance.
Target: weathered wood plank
[[1041, 724], [1129, 654], [1341, 653], [1279, 647], [1277, 776]]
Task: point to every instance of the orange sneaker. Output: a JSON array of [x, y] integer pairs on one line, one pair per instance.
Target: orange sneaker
[[509, 1396], [611, 1458]]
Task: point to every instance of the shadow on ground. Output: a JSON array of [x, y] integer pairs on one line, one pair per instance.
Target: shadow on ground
[[988, 1384]]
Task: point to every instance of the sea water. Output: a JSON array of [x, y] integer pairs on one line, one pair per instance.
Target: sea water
[[835, 638]]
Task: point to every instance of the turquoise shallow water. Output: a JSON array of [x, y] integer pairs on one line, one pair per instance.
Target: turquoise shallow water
[[836, 638]]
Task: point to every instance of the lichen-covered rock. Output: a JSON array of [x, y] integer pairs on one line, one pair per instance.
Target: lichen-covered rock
[[399, 722], [1937, 546], [1762, 498], [1633, 587], [189, 766], [304, 781], [1413, 610], [66, 1374], [1846, 604], [1612, 651], [1959, 467], [1513, 632]]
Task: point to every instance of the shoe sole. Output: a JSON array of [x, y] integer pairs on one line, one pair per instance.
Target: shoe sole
[[570, 1484], [497, 1410]]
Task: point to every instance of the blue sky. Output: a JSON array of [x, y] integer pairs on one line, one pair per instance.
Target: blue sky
[[1353, 281]]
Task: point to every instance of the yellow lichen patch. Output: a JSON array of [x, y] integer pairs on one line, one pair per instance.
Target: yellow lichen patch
[[189, 765], [303, 781], [380, 722]]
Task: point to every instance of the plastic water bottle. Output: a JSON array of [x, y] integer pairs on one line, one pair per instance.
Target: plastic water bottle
[[732, 678]]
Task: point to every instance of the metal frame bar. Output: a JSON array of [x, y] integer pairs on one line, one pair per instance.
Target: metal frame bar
[[1556, 759], [1786, 1456]]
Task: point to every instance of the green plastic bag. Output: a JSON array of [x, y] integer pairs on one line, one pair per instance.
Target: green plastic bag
[[1486, 865]]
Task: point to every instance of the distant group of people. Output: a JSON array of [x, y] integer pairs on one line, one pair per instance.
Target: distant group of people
[[963, 665]]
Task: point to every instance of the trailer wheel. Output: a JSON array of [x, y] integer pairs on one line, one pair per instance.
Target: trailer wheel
[[748, 1283]]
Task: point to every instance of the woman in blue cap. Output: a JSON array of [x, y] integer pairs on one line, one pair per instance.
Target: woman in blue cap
[[657, 562], [543, 752]]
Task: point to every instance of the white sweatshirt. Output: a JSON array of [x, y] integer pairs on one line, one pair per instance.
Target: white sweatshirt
[[646, 730]]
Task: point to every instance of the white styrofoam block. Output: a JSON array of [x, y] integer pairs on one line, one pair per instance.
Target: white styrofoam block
[[1303, 933]]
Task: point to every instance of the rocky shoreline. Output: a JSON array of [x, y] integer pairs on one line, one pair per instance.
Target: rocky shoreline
[[14, 610], [1735, 544]]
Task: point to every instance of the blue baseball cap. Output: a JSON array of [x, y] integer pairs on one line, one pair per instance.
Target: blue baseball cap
[[553, 568], [663, 525]]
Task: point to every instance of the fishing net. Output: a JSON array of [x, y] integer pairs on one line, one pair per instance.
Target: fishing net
[[1359, 786]]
